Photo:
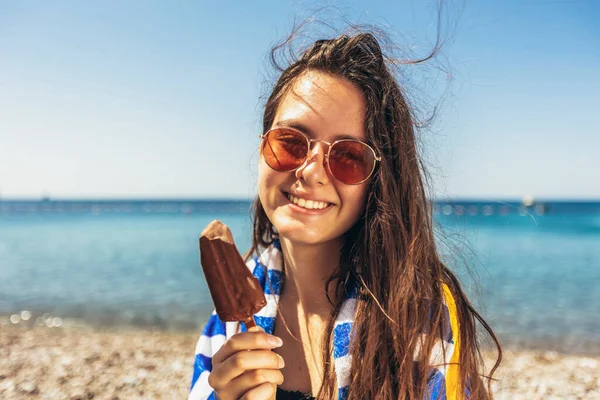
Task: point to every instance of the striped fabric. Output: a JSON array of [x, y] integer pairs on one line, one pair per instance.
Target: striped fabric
[[443, 380]]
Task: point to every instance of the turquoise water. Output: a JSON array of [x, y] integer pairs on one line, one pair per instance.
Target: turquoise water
[[539, 277], [537, 270]]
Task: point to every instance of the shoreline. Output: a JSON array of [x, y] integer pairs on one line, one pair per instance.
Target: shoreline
[[567, 345], [77, 362]]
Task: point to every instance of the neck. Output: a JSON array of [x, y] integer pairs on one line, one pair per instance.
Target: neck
[[307, 268]]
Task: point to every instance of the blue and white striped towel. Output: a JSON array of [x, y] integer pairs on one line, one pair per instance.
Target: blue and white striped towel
[[442, 382]]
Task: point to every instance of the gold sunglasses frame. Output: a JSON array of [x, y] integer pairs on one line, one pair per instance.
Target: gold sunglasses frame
[[309, 142]]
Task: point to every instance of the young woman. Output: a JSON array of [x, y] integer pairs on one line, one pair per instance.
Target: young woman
[[359, 304]]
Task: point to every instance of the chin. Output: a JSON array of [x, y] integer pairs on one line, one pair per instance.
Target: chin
[[298, 235], [304, 236]]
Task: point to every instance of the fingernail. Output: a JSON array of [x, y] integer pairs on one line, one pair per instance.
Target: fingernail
[[275, 341], [281, 362]]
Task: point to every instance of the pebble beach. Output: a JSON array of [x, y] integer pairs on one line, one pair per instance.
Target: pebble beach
[[79, 363]]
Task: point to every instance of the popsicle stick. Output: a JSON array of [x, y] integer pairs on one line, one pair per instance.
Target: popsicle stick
[[251, 325]]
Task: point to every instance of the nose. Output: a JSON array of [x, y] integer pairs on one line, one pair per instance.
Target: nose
[[313, 171]]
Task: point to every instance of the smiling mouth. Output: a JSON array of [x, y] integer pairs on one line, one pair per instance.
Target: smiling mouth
[[306, 204]]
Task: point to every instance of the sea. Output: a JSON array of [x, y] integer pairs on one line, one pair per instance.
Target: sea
[[532, 269]]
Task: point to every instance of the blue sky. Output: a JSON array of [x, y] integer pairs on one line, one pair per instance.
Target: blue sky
[[162, 99]]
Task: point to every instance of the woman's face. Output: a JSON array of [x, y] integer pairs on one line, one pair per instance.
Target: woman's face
[[323, 107]]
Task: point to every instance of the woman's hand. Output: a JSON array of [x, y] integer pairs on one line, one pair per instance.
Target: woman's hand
[[245, 367]]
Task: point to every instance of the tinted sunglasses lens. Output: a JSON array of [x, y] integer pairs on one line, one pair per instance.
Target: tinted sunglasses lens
[[351, 162], [284, 149]]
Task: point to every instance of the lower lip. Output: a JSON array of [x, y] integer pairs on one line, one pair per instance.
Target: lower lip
[[306, 211]]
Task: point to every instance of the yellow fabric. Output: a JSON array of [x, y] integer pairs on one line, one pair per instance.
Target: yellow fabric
[[453, 391]]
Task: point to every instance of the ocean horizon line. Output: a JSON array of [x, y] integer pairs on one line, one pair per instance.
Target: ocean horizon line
[[167, 199]]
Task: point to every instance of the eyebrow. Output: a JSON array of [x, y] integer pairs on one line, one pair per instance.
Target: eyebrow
[[293, 123]]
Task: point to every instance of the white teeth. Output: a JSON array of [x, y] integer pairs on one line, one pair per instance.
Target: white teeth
[[309, 204]]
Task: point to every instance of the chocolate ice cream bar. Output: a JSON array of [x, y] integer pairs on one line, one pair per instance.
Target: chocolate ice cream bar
[[237, 294]]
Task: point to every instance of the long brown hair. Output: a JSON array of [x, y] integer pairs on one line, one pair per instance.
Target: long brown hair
[[391, 250]]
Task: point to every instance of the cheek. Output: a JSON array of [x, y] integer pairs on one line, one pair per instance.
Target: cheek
[[268, 183], [266, 176], [354, 198], [263, 181]]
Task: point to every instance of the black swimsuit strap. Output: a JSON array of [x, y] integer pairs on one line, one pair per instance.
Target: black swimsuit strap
[[283, 394]]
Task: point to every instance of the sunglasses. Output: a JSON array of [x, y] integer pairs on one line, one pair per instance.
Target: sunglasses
[[349, 161]]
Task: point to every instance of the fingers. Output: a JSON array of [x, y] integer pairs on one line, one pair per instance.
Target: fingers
[[251, 380], [246, 341], [257, 377], [242, 362], [261, 392], [246, 366]]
